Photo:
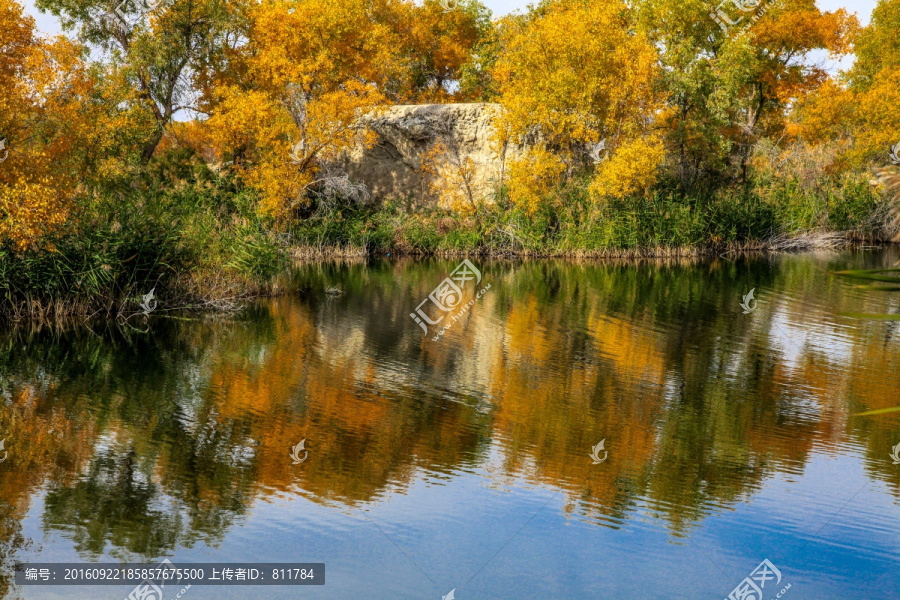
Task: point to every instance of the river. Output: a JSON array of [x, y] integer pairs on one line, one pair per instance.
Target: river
[[581, 430]]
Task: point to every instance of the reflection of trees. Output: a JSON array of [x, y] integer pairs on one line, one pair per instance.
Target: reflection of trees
[[113, 503], [146, 442]]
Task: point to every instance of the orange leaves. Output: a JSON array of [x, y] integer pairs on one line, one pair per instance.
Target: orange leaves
[[863, 117], [799, 28], [43, 84], [576, 71], [315, 66], [318, 43], [878, 117], [244, 117], [435, 44], [825, 114]]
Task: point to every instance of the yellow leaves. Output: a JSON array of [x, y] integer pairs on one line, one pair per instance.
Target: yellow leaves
[[631, 169], [863, 118], [30, 208], [434, 45], [802, 27], [877, 117], [330, 128], [574, 75], [825, 114], [318, 43], [282, 186], [315, 67], [254, 125], [42, 118], [878, 45], [576, 71], [246, 117], [534, 177], [453, 177]]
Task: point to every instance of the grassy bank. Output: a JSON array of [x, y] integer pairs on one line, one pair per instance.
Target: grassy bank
[[666, 224], [197, 246], [200, 242]]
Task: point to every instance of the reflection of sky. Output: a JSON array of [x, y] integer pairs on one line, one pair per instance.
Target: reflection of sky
[[453, 526], [797, 336]]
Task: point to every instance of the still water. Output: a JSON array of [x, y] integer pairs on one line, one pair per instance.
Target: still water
[[465, 463]]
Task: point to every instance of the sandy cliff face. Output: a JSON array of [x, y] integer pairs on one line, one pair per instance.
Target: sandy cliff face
[[393, 168]]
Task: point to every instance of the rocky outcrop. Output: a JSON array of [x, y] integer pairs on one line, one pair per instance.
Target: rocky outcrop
[[393, 169]]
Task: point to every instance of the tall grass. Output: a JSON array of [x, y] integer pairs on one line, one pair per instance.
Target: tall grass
[[196, 238], [667, 223], [195, 245]]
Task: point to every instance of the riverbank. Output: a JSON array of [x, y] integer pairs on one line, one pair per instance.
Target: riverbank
[[667, 224], [200, 247], [206, 247]]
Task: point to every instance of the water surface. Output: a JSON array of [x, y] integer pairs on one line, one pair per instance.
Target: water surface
[[463, 463]]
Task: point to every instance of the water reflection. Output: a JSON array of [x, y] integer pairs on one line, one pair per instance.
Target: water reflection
[[143, 443]]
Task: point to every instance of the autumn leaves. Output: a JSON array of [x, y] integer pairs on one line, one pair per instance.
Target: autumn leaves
[[272, 92]]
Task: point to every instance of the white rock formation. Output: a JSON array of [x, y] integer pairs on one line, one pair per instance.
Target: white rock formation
[[393, 168]]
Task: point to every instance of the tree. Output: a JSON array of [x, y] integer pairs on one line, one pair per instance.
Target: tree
[[60, 127], [157, 48], [571, 74], [858, 110], [877, 48], [312, 68], [728, 87], [436, 46]]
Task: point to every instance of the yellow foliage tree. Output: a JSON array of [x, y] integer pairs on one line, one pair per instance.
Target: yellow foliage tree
[[435, 45], [534, 177], [312, 68], [572, 74], [862, 116], [452, 176], [631, 170], [60, 126]]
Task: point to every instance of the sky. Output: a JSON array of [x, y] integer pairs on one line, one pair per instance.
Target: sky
[[50, 25]]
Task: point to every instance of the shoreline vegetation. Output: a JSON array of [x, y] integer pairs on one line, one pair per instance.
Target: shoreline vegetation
[[203, 258], [196, 151]]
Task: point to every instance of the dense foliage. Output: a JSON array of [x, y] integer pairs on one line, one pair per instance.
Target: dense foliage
[[202, 130]]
